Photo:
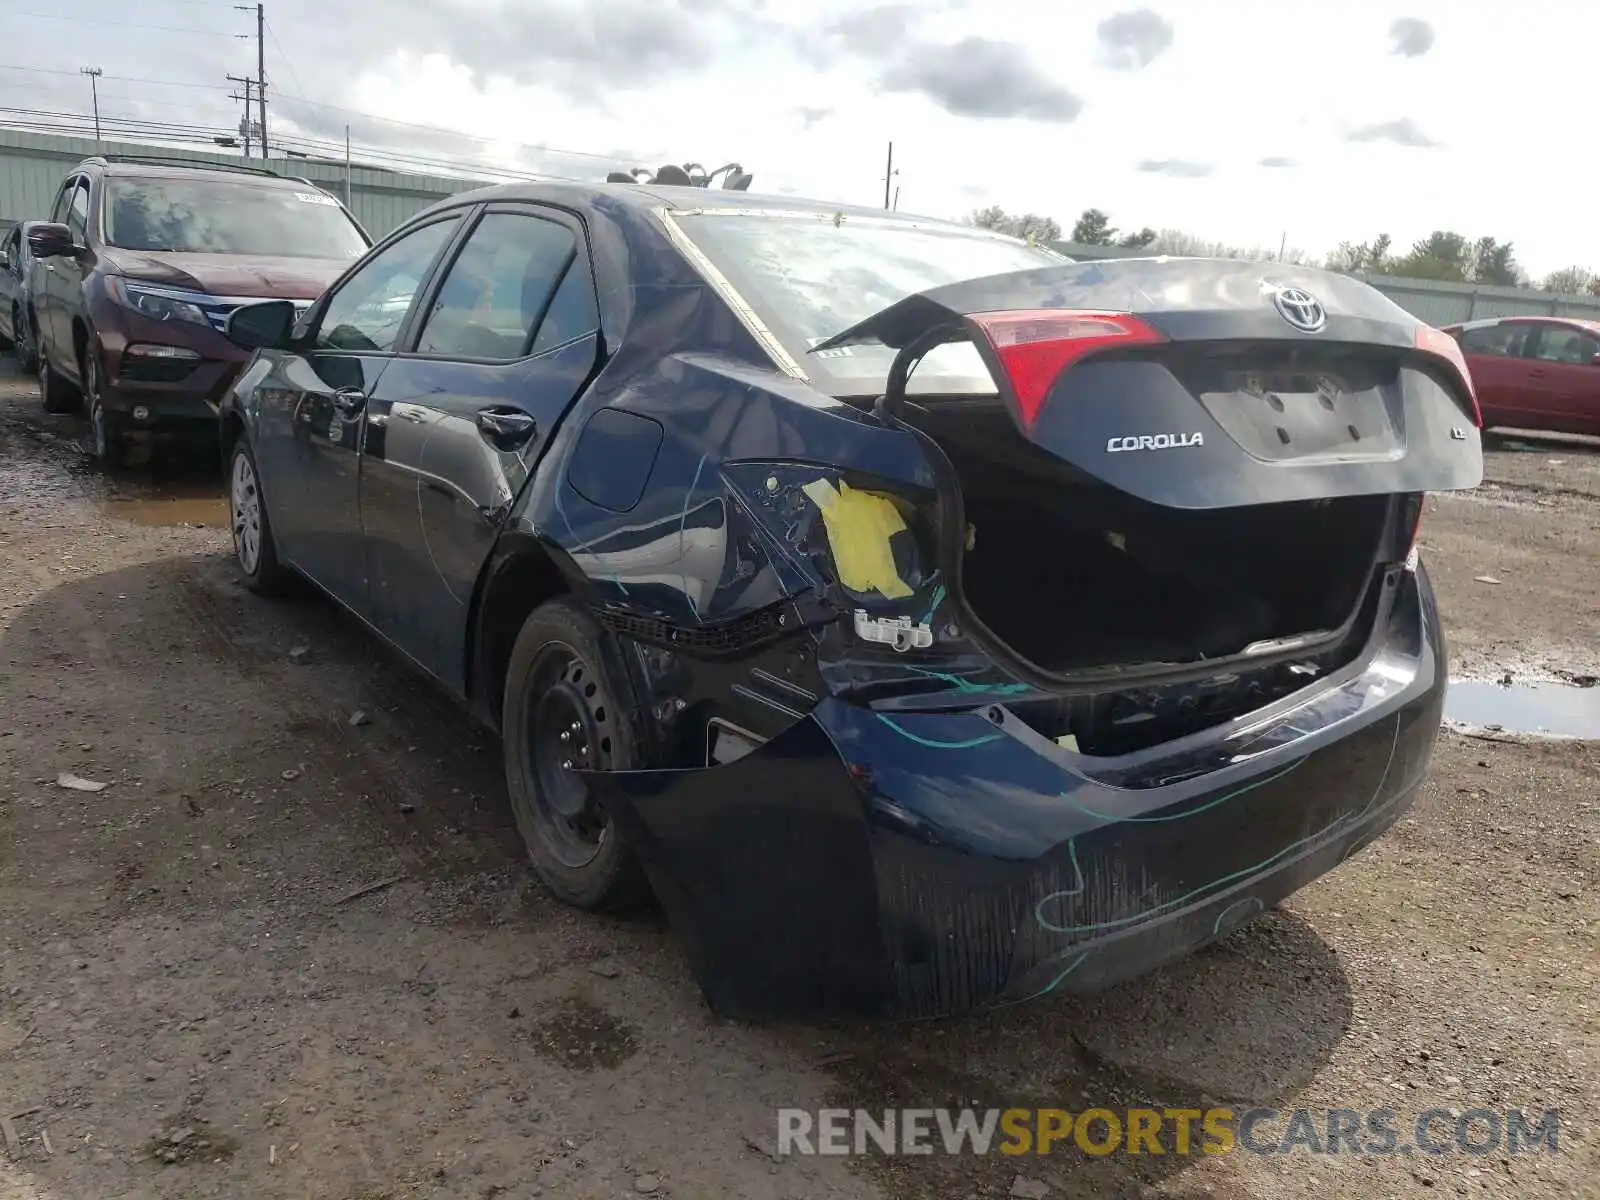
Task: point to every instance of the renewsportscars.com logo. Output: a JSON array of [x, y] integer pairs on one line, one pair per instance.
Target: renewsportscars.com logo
[[1180, 1131]]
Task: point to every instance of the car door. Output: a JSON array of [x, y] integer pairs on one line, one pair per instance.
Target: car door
[[308, 427], [10, 282], [509, 337], [49, 281], [1499, 372], [1565, 377]]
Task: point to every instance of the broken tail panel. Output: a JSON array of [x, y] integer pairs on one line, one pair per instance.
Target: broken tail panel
[[1198, 383]]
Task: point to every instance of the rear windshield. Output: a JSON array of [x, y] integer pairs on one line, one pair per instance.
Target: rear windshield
[[205, 216], [810, 275]]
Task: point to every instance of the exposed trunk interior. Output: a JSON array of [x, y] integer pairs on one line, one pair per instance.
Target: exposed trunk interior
[[1072, 574]]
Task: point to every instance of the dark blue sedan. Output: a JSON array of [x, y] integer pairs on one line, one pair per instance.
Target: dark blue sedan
[[930, 621]]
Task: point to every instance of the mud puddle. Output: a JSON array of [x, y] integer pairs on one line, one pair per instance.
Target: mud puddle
[[1546, 709], [165, 503], [168, 512]]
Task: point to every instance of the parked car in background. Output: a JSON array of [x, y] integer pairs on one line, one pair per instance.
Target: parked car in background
[[16, 298], [138, 268], [1073, 650], [1535, 372]]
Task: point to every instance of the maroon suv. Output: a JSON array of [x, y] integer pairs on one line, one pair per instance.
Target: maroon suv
[[138, 269]]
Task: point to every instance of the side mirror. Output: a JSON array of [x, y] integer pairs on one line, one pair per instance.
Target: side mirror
[[263, 326], [1595, 361], [50, 239]]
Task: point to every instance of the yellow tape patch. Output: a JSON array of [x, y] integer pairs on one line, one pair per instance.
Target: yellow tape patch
[[859, 526]]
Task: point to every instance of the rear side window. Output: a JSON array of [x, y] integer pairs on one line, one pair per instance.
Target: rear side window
[[1506, 340], [1563, 344], [509, 281]]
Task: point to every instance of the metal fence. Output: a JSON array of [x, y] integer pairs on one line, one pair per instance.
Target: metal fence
[[1433, 301], [32, 166]]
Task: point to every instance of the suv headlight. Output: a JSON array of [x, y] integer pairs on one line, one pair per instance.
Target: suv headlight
[[159, 303]]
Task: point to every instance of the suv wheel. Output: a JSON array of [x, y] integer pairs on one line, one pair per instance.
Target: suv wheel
[[58, 395], [107, 441], [567, 707], [26, 345]]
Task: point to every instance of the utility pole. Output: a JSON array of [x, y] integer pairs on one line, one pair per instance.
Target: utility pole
[[94, 74], [888, 175], [347, 166], [261, 69], [244, 126], [261, 73]]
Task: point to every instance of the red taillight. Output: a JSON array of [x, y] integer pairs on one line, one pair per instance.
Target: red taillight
[[1439, 343], [1035, 346]]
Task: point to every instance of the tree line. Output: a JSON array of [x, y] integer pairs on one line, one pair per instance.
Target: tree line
[[1442, 255]]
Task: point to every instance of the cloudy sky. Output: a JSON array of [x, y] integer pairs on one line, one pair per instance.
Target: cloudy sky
[[1237, 121]]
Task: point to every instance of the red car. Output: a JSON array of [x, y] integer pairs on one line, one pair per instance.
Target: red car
[[1535, 372]]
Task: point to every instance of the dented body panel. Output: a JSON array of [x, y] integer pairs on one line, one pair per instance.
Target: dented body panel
[[849, 804], [929, 863]]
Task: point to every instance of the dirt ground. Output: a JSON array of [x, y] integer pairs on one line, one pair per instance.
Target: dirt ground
[[293, 952]]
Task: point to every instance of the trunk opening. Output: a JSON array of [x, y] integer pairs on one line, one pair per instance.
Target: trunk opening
[[1072, 574]]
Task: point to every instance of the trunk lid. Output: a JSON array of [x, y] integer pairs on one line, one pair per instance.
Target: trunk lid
[[1206, 383]]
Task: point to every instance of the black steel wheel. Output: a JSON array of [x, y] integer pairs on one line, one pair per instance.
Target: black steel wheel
[[567, 709]]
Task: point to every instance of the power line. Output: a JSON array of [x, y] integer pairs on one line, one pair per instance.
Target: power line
[[129, 24], [120, 78], [293, 74], [284, 97]]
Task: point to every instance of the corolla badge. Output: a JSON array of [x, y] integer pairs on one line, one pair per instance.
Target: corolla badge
[[1299, 308], [1154, 441]]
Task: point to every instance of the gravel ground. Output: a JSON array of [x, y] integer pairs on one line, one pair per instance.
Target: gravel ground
[[292, 952]]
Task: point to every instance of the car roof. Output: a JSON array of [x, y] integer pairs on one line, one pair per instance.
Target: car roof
[[169, 170], [1526, 319], [678, 199]]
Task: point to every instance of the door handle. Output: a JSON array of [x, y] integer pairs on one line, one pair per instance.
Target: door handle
[[506, 428], [349, 401], [1536, 373]]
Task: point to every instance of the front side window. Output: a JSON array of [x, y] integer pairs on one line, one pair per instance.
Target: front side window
[[229, 216], [78, 214], [1563, 344], [58, 214], [809, 276], [499, 288], [1504, 340], [366, 313]]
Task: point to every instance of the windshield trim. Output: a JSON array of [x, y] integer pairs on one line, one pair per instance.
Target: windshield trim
[[102, 214]]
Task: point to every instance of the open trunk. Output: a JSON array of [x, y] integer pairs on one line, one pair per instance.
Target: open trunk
[[1073, 574]]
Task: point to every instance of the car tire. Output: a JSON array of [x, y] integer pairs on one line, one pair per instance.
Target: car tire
[[568, 700], [254, 550], [57, 395], [108, 443], [24, 342]]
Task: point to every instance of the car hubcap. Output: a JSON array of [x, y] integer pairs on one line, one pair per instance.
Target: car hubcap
[[245, 500], [568, 731]]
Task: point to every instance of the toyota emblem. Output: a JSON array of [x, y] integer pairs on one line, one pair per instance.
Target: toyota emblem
[[1300, 308]]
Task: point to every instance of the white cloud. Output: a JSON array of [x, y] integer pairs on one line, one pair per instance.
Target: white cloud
[[1242, 122]]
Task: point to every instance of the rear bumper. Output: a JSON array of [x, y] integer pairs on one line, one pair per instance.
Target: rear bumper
[[928, 864]]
